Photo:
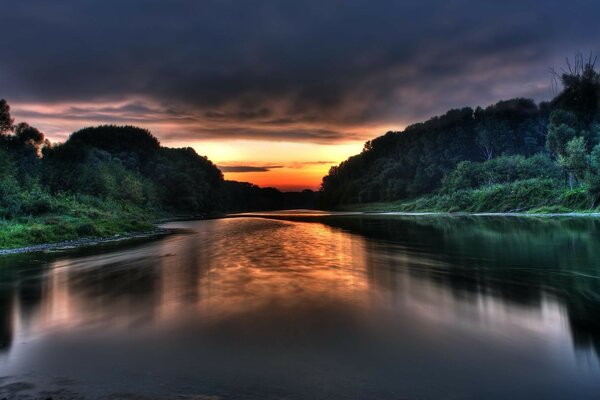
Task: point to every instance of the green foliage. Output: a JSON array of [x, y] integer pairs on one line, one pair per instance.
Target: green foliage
[[575, 158], [128, 163], [467, 151], [29, 231], [469, 174], [491, 135], [36, 202], [9, 186], [106, 180], [592, 176], [519, 196], [186, 181], [575, 199], [561, 129], [401, 165]]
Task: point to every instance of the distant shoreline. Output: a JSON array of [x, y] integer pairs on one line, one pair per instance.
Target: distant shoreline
[[316, 215]]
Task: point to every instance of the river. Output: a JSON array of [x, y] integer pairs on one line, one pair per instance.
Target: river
[[311, 306]]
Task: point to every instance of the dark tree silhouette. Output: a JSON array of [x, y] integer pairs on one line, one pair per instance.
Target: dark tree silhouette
[[6, 122], [581, 88]]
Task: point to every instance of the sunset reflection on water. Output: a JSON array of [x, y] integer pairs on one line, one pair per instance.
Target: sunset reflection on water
[[348, 307]]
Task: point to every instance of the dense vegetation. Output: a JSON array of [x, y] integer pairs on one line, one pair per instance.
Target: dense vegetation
[[108, 180], [515, 155]]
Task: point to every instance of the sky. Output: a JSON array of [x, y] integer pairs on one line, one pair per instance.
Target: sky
[[275, 92]]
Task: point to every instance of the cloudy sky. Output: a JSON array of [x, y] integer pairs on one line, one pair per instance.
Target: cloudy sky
[[275, 92]]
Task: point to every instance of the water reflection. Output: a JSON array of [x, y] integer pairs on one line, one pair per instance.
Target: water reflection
[[515, 261], [313, 306]]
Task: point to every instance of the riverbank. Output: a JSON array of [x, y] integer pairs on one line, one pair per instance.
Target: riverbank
[[32, 231], [487, 214], [394, 208], [56, 233], [67, 231], [71, 244], [523, 197]]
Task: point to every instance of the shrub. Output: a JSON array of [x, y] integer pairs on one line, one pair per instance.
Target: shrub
[[504, 169], [87, 229], [36, 202]]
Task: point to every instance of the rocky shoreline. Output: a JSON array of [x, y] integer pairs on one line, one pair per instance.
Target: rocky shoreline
[[71, 244]]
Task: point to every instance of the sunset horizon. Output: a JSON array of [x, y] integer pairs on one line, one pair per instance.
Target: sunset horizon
[[289, 200], [285, 103]]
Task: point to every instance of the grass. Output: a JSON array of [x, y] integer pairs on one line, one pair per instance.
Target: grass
[[22, 233], [526, 196], [74, 218]]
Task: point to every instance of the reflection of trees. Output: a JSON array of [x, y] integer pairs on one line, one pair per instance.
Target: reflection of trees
[[19, 284], [6, 320], [93, 287], [96, 285], [584, 321], [28, 294], [115, 289], [517, 260]]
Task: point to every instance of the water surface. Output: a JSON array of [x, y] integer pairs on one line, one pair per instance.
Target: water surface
[[310, 306]]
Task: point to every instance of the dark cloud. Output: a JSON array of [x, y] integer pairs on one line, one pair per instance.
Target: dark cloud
[[323, 136], [247, 168], [319, 71], [178, 125], [260, 113], [265, 168]]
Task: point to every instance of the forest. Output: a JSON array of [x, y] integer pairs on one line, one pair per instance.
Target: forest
[[109, 180], [513, 156]]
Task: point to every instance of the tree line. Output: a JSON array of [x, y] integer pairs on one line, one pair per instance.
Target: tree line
[[125, 165], [550, 144]]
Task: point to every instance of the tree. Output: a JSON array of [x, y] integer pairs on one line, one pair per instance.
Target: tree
[[561, 129], [6, 122], [26, 134], [593, 175], [581, 88], [575, 160], [9, 186], [491, 135]]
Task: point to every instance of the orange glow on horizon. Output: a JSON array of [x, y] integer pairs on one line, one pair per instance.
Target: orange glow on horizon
[[291, 165], [284, 179]]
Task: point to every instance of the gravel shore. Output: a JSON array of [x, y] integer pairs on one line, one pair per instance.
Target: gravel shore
[[71, 244]]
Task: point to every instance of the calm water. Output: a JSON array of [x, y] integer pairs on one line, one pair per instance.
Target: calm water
[[346, 307]]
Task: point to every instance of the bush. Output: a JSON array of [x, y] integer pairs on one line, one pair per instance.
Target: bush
[[87, 229], [504, 169], [36, 202], [510, 197], [575, 199]]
